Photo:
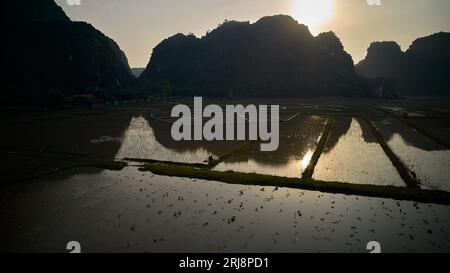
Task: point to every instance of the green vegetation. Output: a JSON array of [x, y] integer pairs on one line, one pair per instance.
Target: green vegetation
[[398, 193], [407, 176], [308, 173], [181, 164]]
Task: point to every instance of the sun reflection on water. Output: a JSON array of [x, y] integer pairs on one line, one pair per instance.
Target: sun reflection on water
[[307, 159]]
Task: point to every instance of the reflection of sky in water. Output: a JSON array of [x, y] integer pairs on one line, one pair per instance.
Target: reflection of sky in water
[[306, 159], [355, 161], [294, 168], [431, 167], [139, 141], [298, 141]]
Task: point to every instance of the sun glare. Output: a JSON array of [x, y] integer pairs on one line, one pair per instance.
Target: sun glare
[[307, 159], [312, 13]]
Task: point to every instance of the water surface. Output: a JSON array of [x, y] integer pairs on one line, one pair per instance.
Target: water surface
[[131, 211], [429, 161], [298, 141], [355, 157]]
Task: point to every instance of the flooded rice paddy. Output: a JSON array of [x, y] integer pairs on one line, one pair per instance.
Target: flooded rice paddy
[[136, 211], [438, 128], [429, 161], [139, 141], [298, 141], [131, 211], [353, 155]]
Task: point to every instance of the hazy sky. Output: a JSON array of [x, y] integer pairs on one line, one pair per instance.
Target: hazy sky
[[139, 25]]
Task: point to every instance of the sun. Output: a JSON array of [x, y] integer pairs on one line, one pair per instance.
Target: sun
[[312, 13]]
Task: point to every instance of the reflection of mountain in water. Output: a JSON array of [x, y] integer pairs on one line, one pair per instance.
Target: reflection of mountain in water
[[431, 167], [391, 128], [355, 160], [139, 141], [298, 140], [151, 139], [388, 128], [298, 137], [163, 136]]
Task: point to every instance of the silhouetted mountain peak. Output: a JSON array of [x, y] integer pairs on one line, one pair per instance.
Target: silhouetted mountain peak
[[275, 56], [283, 25], [279, 21], [44, 50], [422, 70], [329, 41], [19, 11], [386, 49], [434, 47], [228, 26]]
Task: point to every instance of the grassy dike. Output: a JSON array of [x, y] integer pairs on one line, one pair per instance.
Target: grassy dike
[[180, 164], [398, 193], [308, 173], [402, 170]]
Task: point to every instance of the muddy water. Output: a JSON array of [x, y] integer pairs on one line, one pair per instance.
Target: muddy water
[[298, 141], [353, 155], [428, 160], [131, 211], [97, 134], [131, 133]]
